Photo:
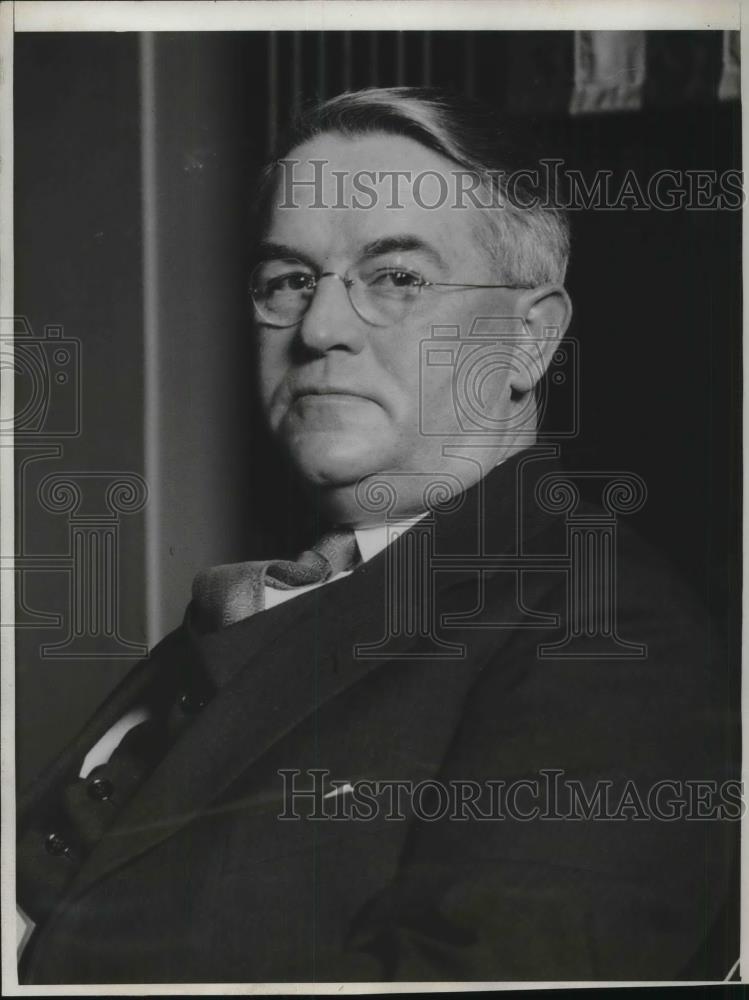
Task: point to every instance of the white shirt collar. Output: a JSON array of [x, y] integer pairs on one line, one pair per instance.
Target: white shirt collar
[[374, 539]]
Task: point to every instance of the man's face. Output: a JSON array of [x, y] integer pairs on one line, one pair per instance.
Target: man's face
[[342, 395]]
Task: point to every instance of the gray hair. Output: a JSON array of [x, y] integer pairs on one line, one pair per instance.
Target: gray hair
[[527, 233]]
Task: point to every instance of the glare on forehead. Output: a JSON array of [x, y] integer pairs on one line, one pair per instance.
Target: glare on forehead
[[330, 233]]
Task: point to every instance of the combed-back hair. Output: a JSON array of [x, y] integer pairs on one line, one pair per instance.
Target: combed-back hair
[[527, 233]]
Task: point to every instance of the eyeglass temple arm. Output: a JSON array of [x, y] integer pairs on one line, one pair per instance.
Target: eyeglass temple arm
[[468, 284]]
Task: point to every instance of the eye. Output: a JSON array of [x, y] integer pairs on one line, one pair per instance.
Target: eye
[[291, 281], [272, 282], [389, 278]]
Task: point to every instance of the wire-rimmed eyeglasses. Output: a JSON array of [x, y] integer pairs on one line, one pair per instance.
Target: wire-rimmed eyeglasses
[[282, 291]]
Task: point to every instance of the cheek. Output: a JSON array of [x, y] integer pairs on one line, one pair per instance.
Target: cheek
[[437, 395], [398, 357]]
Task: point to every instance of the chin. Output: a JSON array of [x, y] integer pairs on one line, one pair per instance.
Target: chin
[[336, 462]]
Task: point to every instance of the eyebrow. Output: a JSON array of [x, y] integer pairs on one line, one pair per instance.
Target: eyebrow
[[404, 243], [281, 251]]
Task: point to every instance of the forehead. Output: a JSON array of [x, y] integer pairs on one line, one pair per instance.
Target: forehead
[[336, 194]]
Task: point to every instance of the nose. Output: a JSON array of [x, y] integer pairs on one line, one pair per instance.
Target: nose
[[331, 322]]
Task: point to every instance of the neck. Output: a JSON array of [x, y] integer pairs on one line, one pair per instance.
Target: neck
[[392, 495]]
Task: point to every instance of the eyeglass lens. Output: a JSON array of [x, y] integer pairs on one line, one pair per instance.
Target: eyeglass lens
[[381, 293]]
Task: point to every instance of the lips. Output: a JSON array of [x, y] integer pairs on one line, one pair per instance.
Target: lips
[[330, 411], [329, 390]]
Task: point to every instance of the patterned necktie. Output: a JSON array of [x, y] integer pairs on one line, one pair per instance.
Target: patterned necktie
[[226, 594]]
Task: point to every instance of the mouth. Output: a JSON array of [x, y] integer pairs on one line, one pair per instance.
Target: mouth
[[330, 393]]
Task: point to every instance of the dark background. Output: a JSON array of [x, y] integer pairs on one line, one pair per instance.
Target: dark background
[[657, 295]]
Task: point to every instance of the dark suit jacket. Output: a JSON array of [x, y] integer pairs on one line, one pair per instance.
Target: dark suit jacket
[[170, 862]]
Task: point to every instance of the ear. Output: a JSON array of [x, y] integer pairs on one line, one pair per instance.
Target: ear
[[546, 313]]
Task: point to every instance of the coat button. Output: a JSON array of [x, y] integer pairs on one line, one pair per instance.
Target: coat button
[[100, 789], [56, 845], [190, 703]]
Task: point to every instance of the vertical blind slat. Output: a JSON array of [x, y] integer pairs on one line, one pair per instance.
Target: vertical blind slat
[[374, 59], [426, 59], [272, 90], [400, 58], [346, 60], [297, 63]]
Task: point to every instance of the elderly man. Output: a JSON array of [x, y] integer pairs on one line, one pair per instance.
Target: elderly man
[[439, 744]]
